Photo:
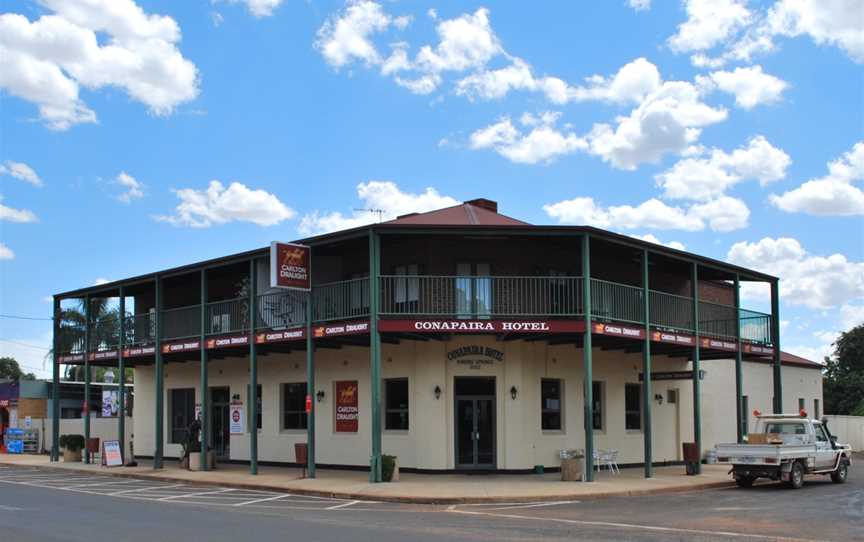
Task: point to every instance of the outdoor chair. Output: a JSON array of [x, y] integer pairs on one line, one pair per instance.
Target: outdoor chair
[[607, 458]]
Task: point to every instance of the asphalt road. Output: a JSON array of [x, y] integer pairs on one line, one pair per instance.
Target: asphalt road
[[51, 505]]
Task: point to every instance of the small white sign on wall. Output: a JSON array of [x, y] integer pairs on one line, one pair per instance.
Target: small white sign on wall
[[236, 419]]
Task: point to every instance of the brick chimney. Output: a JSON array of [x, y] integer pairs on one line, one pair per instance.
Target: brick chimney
[[483, 203]]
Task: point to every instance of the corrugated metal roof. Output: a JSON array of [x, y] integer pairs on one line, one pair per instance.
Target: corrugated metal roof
[[464, 214]]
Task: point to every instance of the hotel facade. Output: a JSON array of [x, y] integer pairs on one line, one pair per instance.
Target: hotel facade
[[457, 340]]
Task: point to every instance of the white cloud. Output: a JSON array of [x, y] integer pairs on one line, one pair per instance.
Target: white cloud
[[704, 177], [751, 86], [639, 5], [30, 352], [21, 171], [818, 282], [464, 42], [219, 205], [259, 8], [851, 316], [632, 83], [653, 239], [6, 253], [345, 37], [94, 44], [667, 120], [833, 194], [832, 22], [11, 214], [708, 23], [385, 196], [100, 281], [724, 214], [544, 143], [132, 188]]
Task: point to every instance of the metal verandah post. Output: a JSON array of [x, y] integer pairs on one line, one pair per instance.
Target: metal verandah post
[[121, 378], [647, 395], [697, 387], [253, 371], [159, 436], [739, 384], [586, 359], [310, 389], [87, 378], [775, 338], [375, 356], [55, 393], [205, 412]]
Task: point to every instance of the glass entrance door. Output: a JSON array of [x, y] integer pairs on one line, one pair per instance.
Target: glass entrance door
[[475, 423], [220, 436]]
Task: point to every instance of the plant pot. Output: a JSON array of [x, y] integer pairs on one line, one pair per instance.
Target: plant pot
[[195, 460], [71, 456], [389, 468]]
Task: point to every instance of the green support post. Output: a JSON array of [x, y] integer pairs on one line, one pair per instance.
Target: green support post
[[697, 384], [586, 359], [205, 387], [87, 378], [775, 338], [739, 372], [159, 377], [647, 395], [121, 378], [253, 370], [375, 356], [310, 389], [55, 389]]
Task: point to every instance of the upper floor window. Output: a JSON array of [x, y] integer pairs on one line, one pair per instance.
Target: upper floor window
[[407, 289], [473, 290]]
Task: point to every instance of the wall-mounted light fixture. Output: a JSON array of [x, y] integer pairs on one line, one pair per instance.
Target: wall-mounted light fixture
[[320, 395], [437, 392], [659, 398], [513, 392]]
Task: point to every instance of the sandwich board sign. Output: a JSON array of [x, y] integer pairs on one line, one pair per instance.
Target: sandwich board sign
[[111, 454], [290, 266]]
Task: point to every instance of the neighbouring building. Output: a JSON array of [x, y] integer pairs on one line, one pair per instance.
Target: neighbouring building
[[458, 339]]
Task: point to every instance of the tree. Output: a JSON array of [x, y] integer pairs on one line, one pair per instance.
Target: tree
[[844, 374], [9, 368]]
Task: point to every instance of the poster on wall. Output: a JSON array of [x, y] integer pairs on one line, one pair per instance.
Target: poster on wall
[[236, 419], [110, 403], [347, 411]]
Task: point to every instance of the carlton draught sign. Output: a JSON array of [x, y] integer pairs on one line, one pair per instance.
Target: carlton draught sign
[[290, 266]]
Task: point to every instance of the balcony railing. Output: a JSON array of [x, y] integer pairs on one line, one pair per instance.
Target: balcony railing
[[429, 296], [479, 296]]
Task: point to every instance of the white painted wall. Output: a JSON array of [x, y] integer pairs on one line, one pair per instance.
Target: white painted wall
[[102, 428], [848, 429], [429, 442]]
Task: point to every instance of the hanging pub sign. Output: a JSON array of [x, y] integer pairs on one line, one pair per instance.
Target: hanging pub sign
[[290, 266], [347, 411]]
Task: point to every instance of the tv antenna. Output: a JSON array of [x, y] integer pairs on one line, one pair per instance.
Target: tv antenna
[[379, 212]]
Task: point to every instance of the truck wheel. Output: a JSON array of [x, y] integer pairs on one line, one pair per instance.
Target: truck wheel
[[745, 481], [839, 475], [796, 476]]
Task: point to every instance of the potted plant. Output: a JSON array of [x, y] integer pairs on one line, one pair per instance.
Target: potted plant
[[192, 449], [72, 446], [389, 468]]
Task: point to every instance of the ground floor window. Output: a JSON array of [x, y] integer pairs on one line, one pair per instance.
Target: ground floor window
[[632, 407], [598, 399], [294, 406], [181, 406], [745, 414], [816, 410], [550, 404], [801, 404], [396, 404], [249, 410]]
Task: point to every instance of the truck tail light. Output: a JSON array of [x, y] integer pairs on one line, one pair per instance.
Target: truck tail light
[[723, 459], [771, 460]]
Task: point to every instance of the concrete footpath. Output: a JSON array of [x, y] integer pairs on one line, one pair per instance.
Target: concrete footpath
[[412, 488]]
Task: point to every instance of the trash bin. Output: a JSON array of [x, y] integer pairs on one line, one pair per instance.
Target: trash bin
[[301, 454], [571, 465], [691, 457]]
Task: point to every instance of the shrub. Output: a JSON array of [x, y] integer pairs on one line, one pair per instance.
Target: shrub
[[388, 465], [73, 443]]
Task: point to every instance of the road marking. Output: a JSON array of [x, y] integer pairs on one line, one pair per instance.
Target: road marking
[[277, 497], [102, 484], [533, 505], [343, 505], [634, 526], [196, 494], [10, 508], [142, 489]]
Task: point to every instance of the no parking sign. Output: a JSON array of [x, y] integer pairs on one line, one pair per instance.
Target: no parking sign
[[236, 419]]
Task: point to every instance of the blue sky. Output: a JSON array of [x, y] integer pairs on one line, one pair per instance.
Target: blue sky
[[733, 128]]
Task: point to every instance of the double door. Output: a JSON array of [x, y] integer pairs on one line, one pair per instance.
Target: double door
[[475, 423]]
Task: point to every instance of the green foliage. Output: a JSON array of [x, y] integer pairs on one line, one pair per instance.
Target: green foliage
[[9, 368], [73, 443], [388, 465], [844, 375]]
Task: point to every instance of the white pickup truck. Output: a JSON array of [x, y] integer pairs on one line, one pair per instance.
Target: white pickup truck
[[786, 447]]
